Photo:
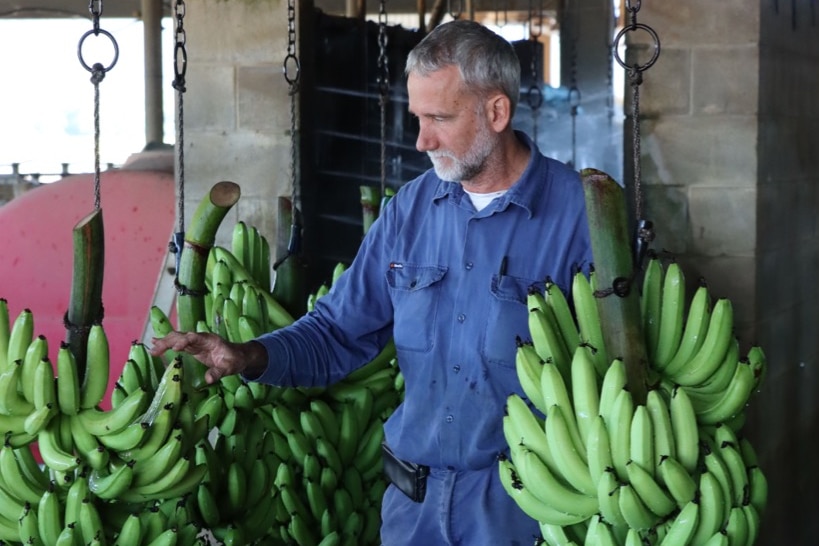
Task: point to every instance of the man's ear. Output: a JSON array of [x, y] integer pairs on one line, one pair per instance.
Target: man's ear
[[498, 110]]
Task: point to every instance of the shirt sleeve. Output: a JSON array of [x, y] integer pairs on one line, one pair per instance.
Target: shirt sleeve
[[348, 326]]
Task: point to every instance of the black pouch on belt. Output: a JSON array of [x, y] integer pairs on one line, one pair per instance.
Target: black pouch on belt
[[408, 477]]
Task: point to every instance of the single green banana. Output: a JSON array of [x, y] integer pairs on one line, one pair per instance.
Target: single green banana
[[619, 428], [684, 425], [721, 378], [236, 488], [547, 340], [663, 440], [536, 476], [614, 381], [99, 422], [130, 532], [683, 527], [37, 350], [31, 467], [734, 398], [528, 367], [641, 443], [20, 337], [50, 516], [27, 525], [86, 445], [208, 505], [653, 495], [713, 513], [241, 247], [585, 387], [757, 489], [126, 439], [711, 353], [68, 381], [170, 486], [12, 401], [753, 521], [148, 470], [349, 433], [97, 368], [528, 502], [588, 321], [651, 305], [18, 483], [555, 392], [608, 498], [635, 512], [54, 455], [109, 485], [737, 471], [559, 304], [570, 463], [696, 326], [737, 526], [521, 427], [677, 480], [45, 391], [672, 313], [155, 437], [598, 450], [39, 418], [5, 333], [90, 522]]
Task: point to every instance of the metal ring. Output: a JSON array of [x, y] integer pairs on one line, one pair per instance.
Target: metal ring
[[654, 37], [113, 42], [286, 72]]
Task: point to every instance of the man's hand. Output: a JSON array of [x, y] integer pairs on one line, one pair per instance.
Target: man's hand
[[221, 356]]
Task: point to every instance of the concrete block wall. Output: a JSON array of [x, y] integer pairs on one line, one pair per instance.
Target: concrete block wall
[[729, 175], [237, 108]]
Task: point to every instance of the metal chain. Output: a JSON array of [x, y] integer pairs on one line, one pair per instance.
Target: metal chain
[[610, 25], [574, 92], [383, 88], [180, 68], [455, 14], [291, 69], [498, 22], [635, 74], [98, 71], [535, 94], [644, 231]]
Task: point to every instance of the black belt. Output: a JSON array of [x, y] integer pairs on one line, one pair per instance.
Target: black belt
[[409, 478]]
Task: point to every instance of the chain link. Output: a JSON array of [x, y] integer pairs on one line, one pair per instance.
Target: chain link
[[534, 95], [291, 69], [98, 71], [383, 87]]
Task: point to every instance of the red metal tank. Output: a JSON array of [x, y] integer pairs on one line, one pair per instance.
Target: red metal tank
[[36, 260]]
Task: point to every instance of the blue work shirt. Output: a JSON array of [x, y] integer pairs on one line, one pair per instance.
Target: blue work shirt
[[450, 285]]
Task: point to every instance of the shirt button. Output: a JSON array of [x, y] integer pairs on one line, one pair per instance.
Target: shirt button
[[456, 368], [413, 284], [461, 317], [449, 418], [468, 266]]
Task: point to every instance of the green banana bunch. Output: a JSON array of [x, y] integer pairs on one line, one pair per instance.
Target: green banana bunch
[[593, 465]]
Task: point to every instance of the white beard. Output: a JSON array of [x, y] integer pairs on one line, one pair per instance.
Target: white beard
[[471, 164]]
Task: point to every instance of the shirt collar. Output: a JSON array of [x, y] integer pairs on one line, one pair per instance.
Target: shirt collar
[[523, 193]]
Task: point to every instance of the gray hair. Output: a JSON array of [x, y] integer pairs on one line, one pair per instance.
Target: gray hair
[[487, 61]]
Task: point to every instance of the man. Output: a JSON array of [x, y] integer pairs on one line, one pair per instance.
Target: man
[[444, 271]]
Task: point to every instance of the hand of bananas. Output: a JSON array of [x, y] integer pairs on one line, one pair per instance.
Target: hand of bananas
[[238, 463], [602, 468]]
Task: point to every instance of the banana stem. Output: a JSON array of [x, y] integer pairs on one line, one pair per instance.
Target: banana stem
[[288, 286], [618, 296], [199, 239], [85, 305], [370, 203]]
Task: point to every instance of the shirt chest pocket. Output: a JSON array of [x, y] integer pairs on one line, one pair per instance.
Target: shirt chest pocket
[[508, 318], [415, 292]]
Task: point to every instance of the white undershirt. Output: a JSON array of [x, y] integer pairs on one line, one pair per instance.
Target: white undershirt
[[481, 200]]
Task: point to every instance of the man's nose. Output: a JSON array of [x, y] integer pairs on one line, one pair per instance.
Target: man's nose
[[425, 141]]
